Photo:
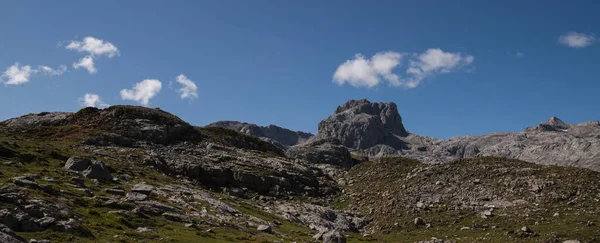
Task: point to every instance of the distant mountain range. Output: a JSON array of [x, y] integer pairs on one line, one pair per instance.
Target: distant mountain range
[[376, 130]]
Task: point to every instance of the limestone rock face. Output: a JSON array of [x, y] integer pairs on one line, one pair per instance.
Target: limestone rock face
[[322, 152], [360, 124]]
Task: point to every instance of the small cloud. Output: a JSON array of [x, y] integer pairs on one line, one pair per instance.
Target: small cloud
[[143, 91], [94, 46], [16, 74], [520, 54], [92, 100], [53, 72], [576, 40], [362, 72], [86, 62], [189, 90]]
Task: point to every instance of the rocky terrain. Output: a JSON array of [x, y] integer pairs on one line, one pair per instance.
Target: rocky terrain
[[376, 130], [135, 174]]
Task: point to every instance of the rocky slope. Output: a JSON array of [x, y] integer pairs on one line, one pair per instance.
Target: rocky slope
[[134, 174], [269, 133], [486, 199]]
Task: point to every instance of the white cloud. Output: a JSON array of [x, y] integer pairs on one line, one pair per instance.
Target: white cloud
[[520, 54], [361, 72], [16, 74], [92, 100], [94, 47], [53, 72], [576, 40], [86, 62], [189, 89], [143, 91]]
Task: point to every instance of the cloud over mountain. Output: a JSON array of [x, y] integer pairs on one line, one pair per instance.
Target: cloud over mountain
[[363, 72], [143, 91]]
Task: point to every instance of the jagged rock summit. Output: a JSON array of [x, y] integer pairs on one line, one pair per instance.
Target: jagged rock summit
[[360, 124], [269, 133]]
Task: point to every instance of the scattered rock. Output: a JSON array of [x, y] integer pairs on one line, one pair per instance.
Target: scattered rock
[[7, 235], [98, 170], [526, 229], [176, 217], [265, 228], [24, 182], [115, 191], [419, 222], [333, 236], [77, 164], [136, 196], [143, 188], [144, 230]]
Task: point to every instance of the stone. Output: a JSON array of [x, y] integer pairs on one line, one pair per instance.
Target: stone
[[98, 170], [419, 221], [144, 230], [333, 236], [45, 222], [77, 164], [20, 181], [78, 181], [143, 188], [526, 229], [571, 241], [7, 235], [38, 241], [265, 228], [136, 196], [115, 191], [176, 217]]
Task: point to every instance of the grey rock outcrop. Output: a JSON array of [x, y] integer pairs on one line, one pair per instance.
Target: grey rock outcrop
[[77, 164], [269, 133], [9, 236], [98, 170], [360, 124], [322, 151]]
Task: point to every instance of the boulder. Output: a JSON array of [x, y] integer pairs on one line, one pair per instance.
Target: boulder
[[77, 164], [98, 170], [136, 196], [322, 151], [115, 191], [265, 228], [143, 188], [9, 236], [333, 236]]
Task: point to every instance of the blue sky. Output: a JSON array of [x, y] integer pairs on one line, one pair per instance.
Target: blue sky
[[273, 62]]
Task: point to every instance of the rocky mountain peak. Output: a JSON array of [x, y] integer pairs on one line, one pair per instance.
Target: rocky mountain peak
[[557, 123], [553, 124], [271, 132], [362, 124]]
